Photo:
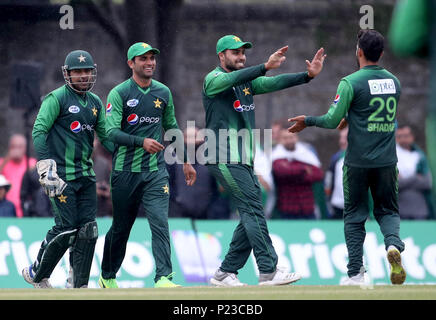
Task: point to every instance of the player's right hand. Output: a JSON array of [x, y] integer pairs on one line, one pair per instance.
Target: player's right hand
[[49, 179], [298, 125], [152, 146]]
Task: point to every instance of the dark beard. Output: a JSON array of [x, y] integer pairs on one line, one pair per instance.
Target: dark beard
[[231, 68]]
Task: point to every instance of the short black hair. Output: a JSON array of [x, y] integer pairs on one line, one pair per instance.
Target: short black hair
[[372, 44]]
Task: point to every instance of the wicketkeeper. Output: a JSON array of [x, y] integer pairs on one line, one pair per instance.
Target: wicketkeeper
[[63, 136]]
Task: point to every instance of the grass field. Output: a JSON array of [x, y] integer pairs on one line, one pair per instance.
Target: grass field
[[294, 292]]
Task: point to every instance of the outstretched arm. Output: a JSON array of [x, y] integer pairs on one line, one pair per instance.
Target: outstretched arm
[[333, 118], [269, 84], [221, 81]]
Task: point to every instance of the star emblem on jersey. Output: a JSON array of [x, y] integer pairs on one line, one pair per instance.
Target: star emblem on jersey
[[237, 39], [62, 198], [166, 189], [246, 91], [157, 103], [94, 111], [81, 58]]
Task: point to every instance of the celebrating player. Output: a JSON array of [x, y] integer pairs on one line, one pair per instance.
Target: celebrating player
[[136, 112], [368, 100], [228, 100], [63, 136]]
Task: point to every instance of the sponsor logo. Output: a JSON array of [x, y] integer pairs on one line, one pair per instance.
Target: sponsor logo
[[132, 102], [75, 126], [108, 108], [134, 119], [382, 86], [337, 98], [74, 109], [237, 106], [242, 107]]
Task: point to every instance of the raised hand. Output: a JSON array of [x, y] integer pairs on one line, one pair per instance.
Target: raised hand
[[314, 67], [276, 59]]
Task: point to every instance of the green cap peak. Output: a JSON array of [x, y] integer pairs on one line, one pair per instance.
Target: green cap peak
[[231, 42], [139, 49]]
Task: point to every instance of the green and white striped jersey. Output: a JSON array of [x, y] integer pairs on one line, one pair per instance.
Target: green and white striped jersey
[[64, 131], [133, 114]]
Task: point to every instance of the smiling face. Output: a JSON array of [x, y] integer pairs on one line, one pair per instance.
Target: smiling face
[[232, 59], [143, 66]]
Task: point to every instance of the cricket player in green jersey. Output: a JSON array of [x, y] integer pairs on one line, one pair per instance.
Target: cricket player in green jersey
[[137, 111], [228, 93], [63, 136], [368, 100]]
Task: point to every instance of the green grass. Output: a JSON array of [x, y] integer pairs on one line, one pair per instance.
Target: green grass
[[293, 292]]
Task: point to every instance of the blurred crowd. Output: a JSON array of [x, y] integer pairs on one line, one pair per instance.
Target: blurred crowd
[[293, 183]]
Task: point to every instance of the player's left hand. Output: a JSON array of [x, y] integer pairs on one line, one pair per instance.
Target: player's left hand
[[314, 67], [190, 174], [342, 125], [298, 125]]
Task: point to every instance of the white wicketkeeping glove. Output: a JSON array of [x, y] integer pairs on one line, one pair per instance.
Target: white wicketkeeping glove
[[49, 179]]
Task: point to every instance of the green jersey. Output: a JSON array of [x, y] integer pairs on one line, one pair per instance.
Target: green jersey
[[64, 131], [230, 109], [368, 99], [133, 114]]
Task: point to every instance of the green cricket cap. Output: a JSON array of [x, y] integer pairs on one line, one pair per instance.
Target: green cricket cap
[[139, 49], [231, 42]]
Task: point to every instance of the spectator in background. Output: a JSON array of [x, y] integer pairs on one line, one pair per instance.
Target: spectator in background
[[295, 168], [414, 178], [190, 201], [7, 208], [34, 201], [102, 167], [333, 178], [276, 127], [263, 171], [13, 166]]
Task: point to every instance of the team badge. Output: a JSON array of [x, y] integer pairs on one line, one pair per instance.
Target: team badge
[[337, 98], [75, 126], [133, 119], [62, 198]]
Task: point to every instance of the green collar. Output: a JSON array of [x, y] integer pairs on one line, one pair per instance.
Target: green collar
[[144, 90]]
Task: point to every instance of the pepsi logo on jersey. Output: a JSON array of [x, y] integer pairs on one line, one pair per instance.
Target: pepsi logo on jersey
[[76, 127], [133, 119]]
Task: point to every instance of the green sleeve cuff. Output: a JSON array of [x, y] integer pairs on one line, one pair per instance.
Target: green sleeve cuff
[[310, 121], [139, 141]]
